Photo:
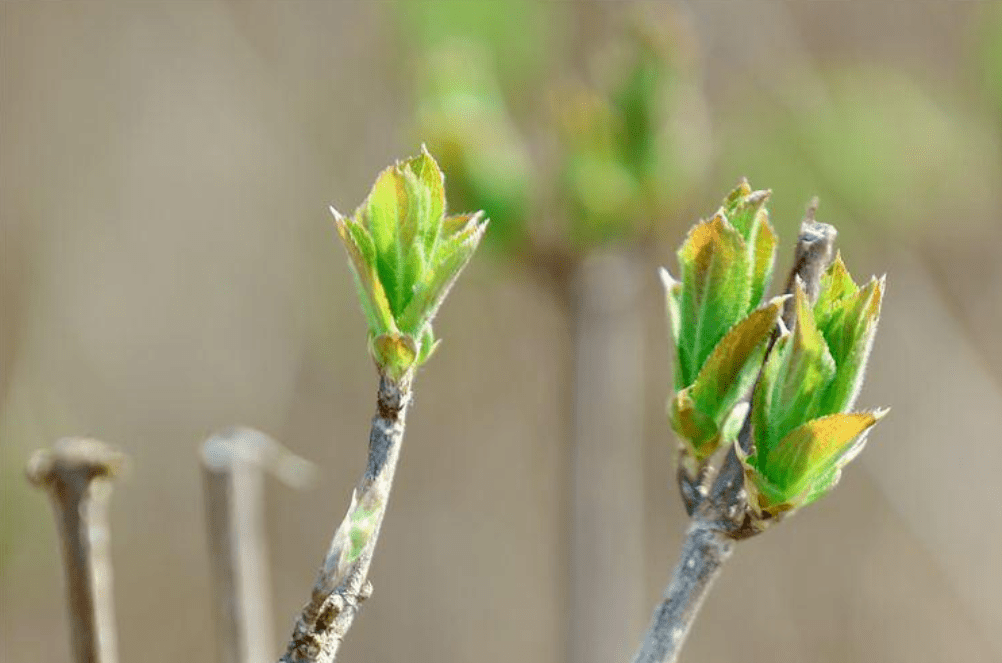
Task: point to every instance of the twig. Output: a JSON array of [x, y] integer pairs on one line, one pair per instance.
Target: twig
[[343, 584], [77, 473], [722, 517], [703, 554], [814, 251], [233, 461]]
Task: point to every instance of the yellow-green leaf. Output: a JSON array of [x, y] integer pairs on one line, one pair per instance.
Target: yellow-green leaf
[[836, 286], [764, 257], [731, 368], [698, 431], [715, 293], [814, 448], [395, 354], [806, 373], [849, 334]]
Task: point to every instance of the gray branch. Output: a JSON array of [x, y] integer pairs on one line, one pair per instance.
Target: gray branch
[[233, 462], [703, 554], [77, 473], [810, 259], [343, 580]]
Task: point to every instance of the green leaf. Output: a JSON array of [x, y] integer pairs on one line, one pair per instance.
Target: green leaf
[[731, 369], [430, 177], [450, 259], [762, 399], [814, 449], [698, 431], [362, 525], [428, 344], [405, 255], [673, 303], [836, 286], [764, 257], [807, 370], [361, 254], [715, 295], [743, 207], [849, 332]]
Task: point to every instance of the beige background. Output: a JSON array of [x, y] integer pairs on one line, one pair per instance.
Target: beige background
[[169, 268]]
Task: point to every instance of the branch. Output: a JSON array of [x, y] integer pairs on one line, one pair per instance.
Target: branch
[[77, 473], [703, 555], [232, 465], [343, 584], [812, 256], [606, 555]]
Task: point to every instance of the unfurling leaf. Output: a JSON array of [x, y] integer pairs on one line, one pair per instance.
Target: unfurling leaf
[[802, 432], [405, 255], [720, 327], [698, 412]]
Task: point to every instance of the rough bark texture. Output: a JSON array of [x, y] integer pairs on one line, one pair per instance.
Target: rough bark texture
[[77, 474], [343, 581], [233, 463], [703, 554]]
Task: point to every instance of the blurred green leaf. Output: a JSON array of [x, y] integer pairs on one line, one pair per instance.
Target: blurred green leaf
[[517, 33], [463, 115], [990, 52], [879, 148]]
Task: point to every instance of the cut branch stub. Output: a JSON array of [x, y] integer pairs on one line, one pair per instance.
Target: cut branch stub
[[233, 463], [77, 473]]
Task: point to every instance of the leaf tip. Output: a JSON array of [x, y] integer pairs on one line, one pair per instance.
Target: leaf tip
[[667, 280]]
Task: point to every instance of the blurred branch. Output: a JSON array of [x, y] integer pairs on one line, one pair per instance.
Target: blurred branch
[[606, 551], [722, 517], [233, 461], [77, 473], [343, 580]]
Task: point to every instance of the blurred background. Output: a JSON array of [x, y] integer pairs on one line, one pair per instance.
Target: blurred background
[[169, 267]]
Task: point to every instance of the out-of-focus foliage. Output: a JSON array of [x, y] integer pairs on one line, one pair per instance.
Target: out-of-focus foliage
[[628, 157], [517, 35], [617, 152], [990, 55], [466, 53], [405, 255], [463, 115], [878, 148]]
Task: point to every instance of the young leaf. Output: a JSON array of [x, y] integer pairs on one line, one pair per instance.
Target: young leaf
[[813, 449], [405, 255], [715, 295]]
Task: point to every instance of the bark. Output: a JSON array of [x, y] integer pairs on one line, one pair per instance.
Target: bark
[[703, 554], [343, 583]]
